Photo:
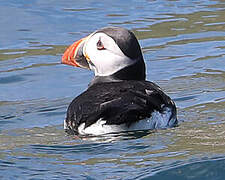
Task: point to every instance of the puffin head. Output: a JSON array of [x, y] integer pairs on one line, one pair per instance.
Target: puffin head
[[110, 51]]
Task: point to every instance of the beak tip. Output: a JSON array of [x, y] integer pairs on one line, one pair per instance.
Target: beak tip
[[70, 54]]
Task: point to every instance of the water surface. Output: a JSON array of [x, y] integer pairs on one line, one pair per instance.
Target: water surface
[[184, 49]]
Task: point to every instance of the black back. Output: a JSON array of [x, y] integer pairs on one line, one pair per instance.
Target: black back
[[117, 102]]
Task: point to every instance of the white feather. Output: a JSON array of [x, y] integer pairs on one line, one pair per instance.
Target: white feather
[[107, 61], [157, 121]]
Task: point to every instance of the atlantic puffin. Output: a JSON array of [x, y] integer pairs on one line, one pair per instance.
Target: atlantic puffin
[[118, 98]]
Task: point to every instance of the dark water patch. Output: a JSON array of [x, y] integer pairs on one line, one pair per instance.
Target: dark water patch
[[47, 109], [24, 30], [11, 79], [7, 117], [116, 15], [80, 9], [51, 114], [186, 98], [6, 163], [211, 169]]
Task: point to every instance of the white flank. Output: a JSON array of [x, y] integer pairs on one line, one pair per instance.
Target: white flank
[[157, 121]]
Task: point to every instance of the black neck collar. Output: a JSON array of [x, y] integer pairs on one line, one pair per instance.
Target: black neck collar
[[135, 71]]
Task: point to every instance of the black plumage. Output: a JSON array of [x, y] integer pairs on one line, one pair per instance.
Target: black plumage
[[117, 102]]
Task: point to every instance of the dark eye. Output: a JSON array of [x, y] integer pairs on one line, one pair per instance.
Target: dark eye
[[100, 45]]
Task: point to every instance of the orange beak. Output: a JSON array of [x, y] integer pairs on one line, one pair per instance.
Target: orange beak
[[74, 55]]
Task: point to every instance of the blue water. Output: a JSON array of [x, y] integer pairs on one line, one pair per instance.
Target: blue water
[[184, 49]]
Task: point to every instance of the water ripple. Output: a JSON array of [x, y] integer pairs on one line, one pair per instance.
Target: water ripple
[[183, 44]]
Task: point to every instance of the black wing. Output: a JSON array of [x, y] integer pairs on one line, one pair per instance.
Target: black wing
[[117, 103]]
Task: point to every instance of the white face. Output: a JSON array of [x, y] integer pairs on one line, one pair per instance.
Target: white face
[[105, 55]]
